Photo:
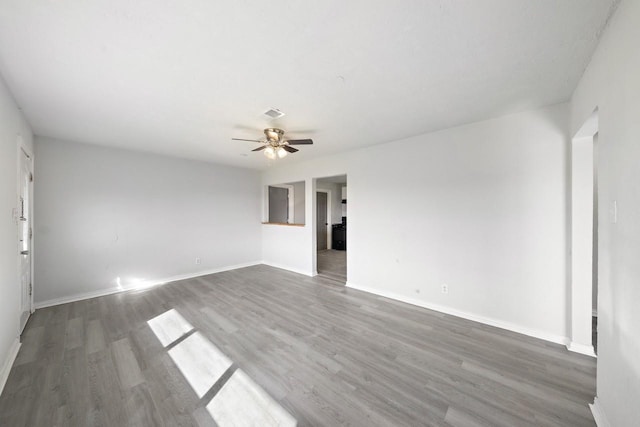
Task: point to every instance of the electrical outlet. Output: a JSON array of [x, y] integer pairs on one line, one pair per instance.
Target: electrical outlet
[[445, 288], [198, 261]]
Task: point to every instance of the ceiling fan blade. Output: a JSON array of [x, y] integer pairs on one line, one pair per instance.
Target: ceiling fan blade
[[260, 148], [250, 140], [251, 129], [289, 149], [300, 142], [301, 131]]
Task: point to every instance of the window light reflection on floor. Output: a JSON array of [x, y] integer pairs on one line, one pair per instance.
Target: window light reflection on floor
[[135, 284], [239, 401], [201, 363], [169, 326]]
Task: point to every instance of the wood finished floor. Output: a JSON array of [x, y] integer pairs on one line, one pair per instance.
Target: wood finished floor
[[332, 264], [328, 354]]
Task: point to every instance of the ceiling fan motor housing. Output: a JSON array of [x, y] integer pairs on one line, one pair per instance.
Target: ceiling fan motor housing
[[274, 134]]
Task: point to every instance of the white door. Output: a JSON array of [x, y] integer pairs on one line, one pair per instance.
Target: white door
[[24, 237]]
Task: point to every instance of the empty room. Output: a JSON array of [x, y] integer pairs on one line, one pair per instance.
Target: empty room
[[419, 213]]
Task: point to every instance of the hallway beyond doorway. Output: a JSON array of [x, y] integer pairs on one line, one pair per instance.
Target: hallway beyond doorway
[[332, 264]]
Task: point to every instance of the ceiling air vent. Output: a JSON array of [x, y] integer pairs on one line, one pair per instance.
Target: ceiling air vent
[[274, 113]]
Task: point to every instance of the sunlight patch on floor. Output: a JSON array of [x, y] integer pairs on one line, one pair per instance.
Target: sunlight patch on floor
[[201, 363], [136, 284], [169, 326], [238, 401], [241, 402]]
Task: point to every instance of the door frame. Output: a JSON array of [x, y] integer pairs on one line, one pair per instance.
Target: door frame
[[329, 217], [583, 177], [312, 210], [23, 150]]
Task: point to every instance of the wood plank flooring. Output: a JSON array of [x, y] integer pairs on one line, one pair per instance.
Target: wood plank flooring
[[332, 264], [323, 354]]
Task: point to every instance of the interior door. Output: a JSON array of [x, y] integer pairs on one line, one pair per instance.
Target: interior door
[[322, 220], [24, 238], [278, 205]]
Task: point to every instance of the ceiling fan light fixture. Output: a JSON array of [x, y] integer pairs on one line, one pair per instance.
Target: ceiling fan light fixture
[[274, 145], [270, 153]]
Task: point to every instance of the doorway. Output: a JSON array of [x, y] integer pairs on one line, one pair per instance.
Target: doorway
[[584, 238], [323, 218], [25, 232], [331, 228]]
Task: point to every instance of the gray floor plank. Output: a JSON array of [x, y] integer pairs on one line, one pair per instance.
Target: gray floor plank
[[75, 333], [126, 364], [95, 336]]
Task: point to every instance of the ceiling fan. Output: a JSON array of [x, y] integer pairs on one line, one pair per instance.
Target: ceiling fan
[[275, 145]]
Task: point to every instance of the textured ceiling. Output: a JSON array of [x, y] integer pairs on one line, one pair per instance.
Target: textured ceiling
[[183, 77]]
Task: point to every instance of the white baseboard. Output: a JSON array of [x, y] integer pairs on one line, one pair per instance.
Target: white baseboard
[[8, 362], [138, 286], [284, 267], [587, 350], [558, 339], [598, 414]]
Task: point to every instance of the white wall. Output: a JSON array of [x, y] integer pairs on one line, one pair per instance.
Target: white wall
[[611, 83], [288, 247], [12, 124], [105, 213], [480, 207]]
